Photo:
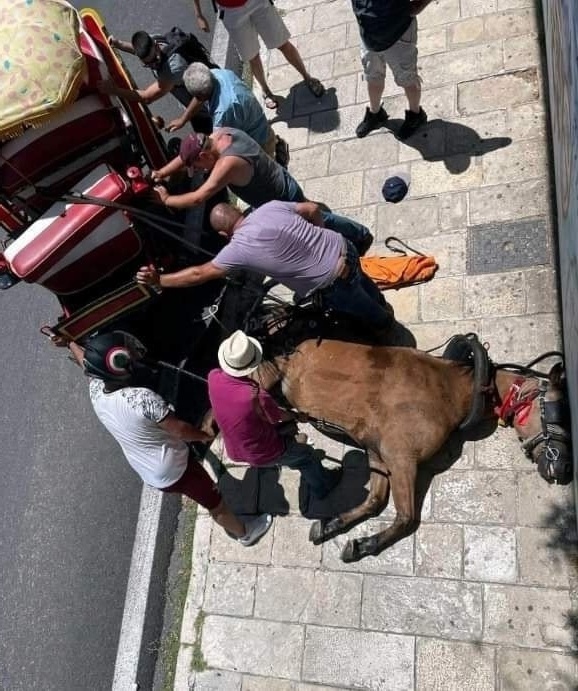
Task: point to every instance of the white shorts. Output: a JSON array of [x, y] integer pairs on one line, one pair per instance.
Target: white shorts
[[253, 19], [401, 58]]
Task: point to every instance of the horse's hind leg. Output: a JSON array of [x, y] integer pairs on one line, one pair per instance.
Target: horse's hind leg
[[403, 481], [373, 505]]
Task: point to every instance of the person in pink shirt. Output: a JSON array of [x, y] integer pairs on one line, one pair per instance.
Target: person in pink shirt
[[249, 418]]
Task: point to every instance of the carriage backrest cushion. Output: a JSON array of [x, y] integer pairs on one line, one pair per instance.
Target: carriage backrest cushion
[[43, 155], [72, 246]]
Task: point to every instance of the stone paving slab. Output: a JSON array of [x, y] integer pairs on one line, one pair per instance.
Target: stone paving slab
[[424, 606], [483, 596], [443, 665], [356, 659]]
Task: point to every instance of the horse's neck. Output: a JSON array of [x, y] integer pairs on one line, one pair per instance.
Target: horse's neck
[[268, 374]]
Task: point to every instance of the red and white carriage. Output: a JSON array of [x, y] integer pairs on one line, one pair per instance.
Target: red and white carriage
[[74, 200]]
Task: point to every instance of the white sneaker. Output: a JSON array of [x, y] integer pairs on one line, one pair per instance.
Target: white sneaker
[[255, 529]]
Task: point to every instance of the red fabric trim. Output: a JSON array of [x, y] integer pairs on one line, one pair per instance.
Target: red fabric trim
[[231, 3], [102, 312], [514, 410], [9, 221]]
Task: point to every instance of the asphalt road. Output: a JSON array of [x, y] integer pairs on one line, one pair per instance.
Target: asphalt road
[[68, 500]]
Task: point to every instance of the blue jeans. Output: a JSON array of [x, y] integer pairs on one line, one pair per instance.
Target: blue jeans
[[301, 457], [357, 295], [351, 230]]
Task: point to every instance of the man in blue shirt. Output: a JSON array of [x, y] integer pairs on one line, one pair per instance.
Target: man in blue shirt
[[229, 101], [388, 31]]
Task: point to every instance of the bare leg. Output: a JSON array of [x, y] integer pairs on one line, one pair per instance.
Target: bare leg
[[374, 504], [259, 74], [413, 94], [293, 58], [403, 489], [375, 92], [224, 517]]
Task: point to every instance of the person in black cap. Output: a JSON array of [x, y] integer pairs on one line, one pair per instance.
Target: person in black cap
[[168, 64], [388, 31]]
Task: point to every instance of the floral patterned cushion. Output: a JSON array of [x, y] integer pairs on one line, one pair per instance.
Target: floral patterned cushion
[[41, 66]]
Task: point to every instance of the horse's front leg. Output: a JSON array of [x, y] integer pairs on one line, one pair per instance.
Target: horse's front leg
[[403, 481], [373, 505]]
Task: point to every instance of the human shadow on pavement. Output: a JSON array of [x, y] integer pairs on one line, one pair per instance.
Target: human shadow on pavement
[[258, 491], [349, 492], [300, 102], [352, 491], [450, 142]]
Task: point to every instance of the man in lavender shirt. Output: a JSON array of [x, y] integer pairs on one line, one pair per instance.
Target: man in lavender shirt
[[287, 241], [249, 418]]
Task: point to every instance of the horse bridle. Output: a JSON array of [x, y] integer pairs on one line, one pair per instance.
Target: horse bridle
[[553, 414], [552, 418]]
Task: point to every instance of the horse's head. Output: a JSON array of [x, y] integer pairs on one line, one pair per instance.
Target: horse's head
[[537, 407]]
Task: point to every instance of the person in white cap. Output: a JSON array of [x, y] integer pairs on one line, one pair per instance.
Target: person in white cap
[[249, 418]]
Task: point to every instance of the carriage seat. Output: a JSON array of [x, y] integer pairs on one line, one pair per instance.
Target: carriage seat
[[65, 148], [72, 246]]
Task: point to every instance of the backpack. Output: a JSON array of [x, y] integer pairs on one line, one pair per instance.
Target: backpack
[[187, 46]]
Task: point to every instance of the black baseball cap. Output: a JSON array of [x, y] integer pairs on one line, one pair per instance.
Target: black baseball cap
[[394, 189]]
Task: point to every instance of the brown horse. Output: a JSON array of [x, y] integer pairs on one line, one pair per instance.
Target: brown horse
[[401, 405]]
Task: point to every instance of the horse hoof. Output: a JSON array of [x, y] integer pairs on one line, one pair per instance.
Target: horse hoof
[[324, 530], [316, 532], [350, 552]]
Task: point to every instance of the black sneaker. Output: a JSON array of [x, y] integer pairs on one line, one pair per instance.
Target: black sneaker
[[412, 122], [281, 152], [371, 121]]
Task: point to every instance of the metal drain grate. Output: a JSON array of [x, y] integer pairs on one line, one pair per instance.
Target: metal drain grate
[[498, 247]]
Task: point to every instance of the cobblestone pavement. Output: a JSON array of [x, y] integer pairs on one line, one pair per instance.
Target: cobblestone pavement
[[480, 597]]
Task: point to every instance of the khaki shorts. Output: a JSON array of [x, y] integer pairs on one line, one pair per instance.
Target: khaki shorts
[[253, 19], [401, 58]]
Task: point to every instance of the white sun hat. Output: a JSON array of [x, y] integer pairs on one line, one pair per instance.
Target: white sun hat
[[239, 355]]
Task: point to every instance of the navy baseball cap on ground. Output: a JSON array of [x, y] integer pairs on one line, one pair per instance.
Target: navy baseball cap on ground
[[394, 189]]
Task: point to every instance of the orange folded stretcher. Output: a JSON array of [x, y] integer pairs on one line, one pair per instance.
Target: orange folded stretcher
[[400, 270]]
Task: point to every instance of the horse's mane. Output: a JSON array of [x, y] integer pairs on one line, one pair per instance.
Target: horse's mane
[[282, 328]]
